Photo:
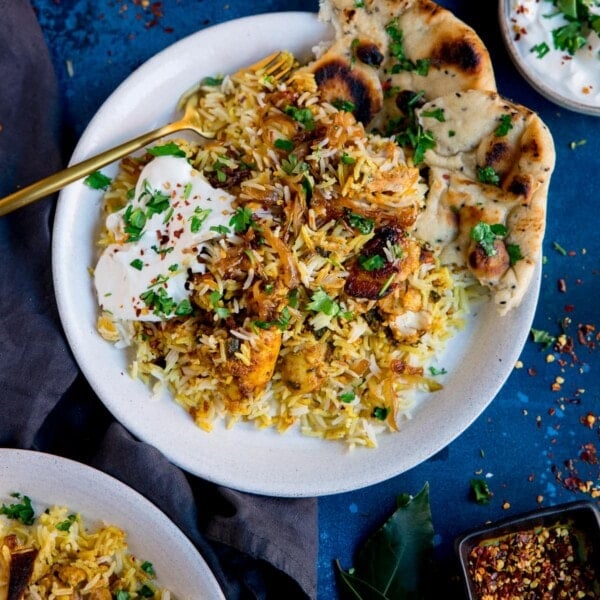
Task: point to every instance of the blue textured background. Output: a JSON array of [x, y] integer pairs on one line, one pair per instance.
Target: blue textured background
[[530, 433]]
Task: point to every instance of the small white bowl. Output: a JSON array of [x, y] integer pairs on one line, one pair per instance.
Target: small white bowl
[[534, 78]]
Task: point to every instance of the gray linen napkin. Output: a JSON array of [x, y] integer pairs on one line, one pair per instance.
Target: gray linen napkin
[[257, 547]]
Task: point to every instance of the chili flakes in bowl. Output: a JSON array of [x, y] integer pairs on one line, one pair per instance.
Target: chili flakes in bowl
[[545, 554]]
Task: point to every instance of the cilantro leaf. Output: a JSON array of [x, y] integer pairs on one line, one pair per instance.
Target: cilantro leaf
[[241, 219], [321, 302], [372, 263], [304, 116], [504, 127], [169, 149], [363, 224], [19, 511], [545, 339], [488, 175], [481, 491], [485, 235], [97, 180]]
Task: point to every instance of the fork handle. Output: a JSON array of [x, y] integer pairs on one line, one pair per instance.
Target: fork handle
[[53, 183]]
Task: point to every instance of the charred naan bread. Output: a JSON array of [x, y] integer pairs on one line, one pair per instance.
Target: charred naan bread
[[489, 173], [385, 47]]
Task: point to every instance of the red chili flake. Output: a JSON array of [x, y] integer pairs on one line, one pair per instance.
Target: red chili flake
[[562, 286], [573, 483], [583, 334], [569, 307], [588, 454], [531, 372]]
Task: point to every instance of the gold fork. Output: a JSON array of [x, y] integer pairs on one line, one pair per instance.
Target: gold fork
[[275, 67]]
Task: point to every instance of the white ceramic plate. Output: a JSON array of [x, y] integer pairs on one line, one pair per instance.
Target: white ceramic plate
[[50, 480], [537, 80], [245, 458]]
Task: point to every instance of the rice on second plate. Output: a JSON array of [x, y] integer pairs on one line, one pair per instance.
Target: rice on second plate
[[309, 303], [70, 559]]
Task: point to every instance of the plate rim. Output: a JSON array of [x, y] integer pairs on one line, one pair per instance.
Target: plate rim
[[14, 459], [283, 484]]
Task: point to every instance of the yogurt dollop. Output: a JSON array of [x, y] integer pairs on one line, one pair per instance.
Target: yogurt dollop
[[574, 76], [159, 234]]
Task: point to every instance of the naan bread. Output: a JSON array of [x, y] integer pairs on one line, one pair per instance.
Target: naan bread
[[359, 66], [374, 63], [482, 132]]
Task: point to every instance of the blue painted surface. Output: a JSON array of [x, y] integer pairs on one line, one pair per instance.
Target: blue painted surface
[[530, 431]]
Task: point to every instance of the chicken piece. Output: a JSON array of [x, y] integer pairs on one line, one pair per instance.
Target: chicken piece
[[71, 575], [20, 570], [387, 259], [247, 380], [303, 369]]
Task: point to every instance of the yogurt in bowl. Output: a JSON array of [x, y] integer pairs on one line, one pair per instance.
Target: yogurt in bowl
[[560, 59]]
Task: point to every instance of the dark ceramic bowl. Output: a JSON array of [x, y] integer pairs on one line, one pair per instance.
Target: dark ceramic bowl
[[542, 547]]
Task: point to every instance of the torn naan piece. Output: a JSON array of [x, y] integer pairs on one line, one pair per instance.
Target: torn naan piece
[[383, 48], [489, 174]]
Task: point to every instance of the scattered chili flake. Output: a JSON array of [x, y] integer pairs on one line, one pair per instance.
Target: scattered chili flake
[[562, 285]]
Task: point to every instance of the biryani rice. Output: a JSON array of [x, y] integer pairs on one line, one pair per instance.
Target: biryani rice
[[77, 561], [347, 373]]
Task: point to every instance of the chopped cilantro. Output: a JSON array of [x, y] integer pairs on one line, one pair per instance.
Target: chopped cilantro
[[135, 221], [559, 248], [198, 218], [380, 413], [122, 595], [545, 339], [222, 229], [372, 263], [292, 166], [158, 301], [514, 253], [146, 591], [481, 491], [434, 372], [137, 263], [420, 66], [184, 308], [359, 3], [347, 159], [363, 224], [540, 49], [66, 524], [293, 298], [437, 114], [97, 180], [488, 175], [504, 127], [156, 201], [19, 511], [212, 81], [281, 323], [344, 105], [283, 144], [347, 397], [321, 302], [148, 568], [241, 219], [187, 191], [386, 285], [304, 116], [169, 149], [485, 235]]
